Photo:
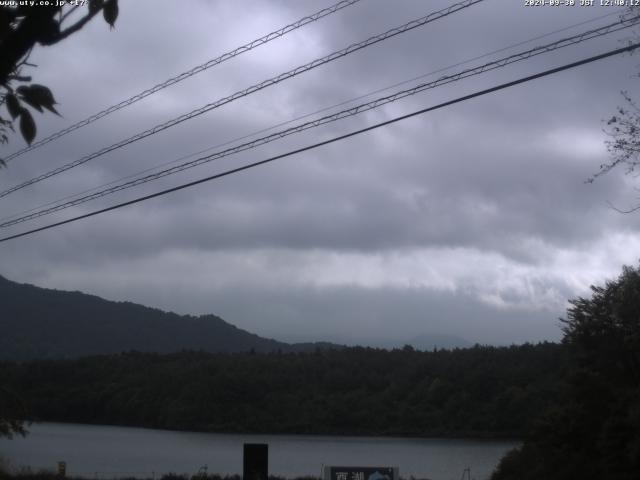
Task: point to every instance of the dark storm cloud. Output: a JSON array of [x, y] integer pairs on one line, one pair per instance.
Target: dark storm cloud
[[434, 199]]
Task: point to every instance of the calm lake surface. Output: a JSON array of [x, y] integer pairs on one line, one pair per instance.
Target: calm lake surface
[[106, 452]]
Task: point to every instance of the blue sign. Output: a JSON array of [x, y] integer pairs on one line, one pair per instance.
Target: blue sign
[[361, 473]]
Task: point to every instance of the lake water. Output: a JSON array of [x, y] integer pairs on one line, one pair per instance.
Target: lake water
[[106, 452]]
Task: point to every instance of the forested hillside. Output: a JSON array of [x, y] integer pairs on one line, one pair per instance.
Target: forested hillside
[[481, 391], [43, 323]]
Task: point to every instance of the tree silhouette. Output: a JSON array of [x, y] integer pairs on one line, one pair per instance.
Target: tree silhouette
[[21, 29], [623, 129], [593, 430]]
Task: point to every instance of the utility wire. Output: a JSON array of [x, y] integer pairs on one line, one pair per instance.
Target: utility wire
[[331, 140], [306, 115], [614, 27], [254, 88], [189, 73]]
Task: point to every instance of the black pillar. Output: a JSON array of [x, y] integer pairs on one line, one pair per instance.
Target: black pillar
[[256, 461]]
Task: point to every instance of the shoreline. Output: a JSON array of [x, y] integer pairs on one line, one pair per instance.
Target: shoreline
[[345, 435]]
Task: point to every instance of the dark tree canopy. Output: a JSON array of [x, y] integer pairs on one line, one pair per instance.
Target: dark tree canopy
[[479, 391], [604, 330], [593, 432], [21, 29]]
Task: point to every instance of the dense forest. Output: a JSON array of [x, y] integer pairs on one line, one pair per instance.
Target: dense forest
[[480, 391]]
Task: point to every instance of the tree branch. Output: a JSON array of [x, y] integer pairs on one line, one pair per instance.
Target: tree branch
[[19, 78], [69, 12], [18, 43], [76, 26]]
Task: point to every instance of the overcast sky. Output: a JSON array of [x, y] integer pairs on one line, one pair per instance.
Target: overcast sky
[[474, 220]]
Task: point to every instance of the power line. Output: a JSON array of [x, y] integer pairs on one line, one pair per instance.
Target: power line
[[189, 73], [331, 140], [301, 117], [254, 88], [500, 63]]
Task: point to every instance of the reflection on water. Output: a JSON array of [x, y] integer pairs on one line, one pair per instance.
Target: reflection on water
[[101, 451]]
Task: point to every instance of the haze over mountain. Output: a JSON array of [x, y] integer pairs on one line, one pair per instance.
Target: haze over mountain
[[44, 323]]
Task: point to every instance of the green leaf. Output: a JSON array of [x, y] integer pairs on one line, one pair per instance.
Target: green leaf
[[38, 96], [110, 12], [43, 96], [33, 104], [52, 109], [13, 105], [42, 93], [27, 97], [27, 126]]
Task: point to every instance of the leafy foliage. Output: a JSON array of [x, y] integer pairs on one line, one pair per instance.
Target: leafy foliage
[[623, 129], [593, 432], [110, 12], [23, 27]]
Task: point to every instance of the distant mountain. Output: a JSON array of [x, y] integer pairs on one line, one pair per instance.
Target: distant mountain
[[43, 323]]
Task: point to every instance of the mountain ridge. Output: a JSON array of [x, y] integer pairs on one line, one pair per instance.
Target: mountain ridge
[[42, 323]]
